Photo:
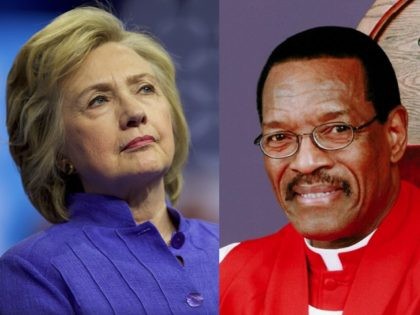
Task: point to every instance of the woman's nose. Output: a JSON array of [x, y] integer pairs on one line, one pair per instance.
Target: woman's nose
[[132, 113]]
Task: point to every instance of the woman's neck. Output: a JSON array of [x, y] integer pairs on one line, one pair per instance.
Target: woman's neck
[[149, 205], [146, 200]]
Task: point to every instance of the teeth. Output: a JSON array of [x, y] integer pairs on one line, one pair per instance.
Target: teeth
[[316, 195]]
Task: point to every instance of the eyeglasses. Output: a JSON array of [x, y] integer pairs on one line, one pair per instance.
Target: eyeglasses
[[331, 136]]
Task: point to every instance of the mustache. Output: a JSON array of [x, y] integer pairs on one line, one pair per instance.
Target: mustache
[[320, 176]]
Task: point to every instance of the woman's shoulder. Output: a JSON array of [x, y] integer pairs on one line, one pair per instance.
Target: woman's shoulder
[[202, 234], [211, 229], [27, 271], [42, 245]]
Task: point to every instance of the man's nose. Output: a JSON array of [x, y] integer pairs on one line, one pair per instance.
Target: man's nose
[[310, 157]]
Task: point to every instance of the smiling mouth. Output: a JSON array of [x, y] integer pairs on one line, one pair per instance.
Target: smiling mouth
[[139, 142], [319, 186], [316, 195], [317, 190]]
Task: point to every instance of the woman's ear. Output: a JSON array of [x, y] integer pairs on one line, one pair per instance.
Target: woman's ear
[[397, 125], [65, 166]]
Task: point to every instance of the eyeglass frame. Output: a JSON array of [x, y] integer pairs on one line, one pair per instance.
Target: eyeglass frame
[[258, 139]]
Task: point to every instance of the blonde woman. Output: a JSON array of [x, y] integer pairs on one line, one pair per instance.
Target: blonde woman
[[99, 136]]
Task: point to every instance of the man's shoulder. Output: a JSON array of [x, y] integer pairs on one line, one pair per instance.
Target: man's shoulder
[[412, 191], [260, 251], [406, 206], [265, 243], [246, 271]]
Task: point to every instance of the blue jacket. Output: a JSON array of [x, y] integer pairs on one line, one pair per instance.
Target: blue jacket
[[102, 262]]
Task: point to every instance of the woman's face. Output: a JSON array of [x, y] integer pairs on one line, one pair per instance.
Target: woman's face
[[118, 127]]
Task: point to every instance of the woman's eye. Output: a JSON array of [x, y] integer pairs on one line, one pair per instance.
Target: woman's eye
[[98, 101], [147, 89]]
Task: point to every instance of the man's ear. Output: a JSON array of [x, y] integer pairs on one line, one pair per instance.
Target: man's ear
[[397, 125]]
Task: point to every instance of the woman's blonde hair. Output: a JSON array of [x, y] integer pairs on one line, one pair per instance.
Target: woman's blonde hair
[[34, 119]]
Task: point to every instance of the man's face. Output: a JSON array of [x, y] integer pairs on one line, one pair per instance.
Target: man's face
[[334, 198]]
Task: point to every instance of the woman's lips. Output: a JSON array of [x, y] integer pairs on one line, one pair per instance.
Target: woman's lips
[[139, 142]]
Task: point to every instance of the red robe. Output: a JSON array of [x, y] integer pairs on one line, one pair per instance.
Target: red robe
[[269, 275]]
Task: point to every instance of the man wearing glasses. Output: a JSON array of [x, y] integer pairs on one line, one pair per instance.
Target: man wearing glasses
[[333, 132]]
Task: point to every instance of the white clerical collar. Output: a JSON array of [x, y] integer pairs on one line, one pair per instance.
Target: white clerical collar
[[330, 256], [316, 311]]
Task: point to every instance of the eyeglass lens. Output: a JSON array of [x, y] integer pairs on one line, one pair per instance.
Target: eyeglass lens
[[330, 136]]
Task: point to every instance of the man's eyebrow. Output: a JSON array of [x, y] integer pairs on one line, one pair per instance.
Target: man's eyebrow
[[336, 114], [327, 116], [272, 124]]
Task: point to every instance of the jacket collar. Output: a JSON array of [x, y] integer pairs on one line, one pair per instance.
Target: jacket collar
[[109, 211]]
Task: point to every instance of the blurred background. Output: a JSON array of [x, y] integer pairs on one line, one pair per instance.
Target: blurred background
[[188, 29]]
